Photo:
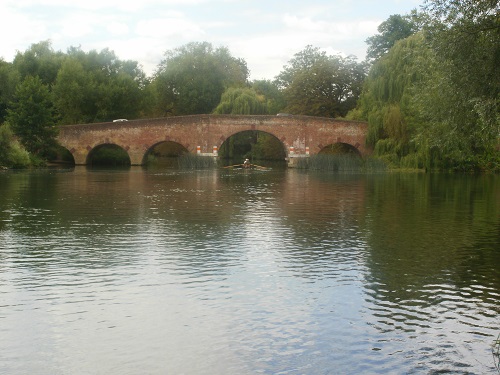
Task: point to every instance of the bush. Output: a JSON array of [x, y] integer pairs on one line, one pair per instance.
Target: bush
[[342, 163], [12, 154]]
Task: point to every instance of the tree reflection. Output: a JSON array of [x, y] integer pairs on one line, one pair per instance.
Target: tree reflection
[[425, 229]]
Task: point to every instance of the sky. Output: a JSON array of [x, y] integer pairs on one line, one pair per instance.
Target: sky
[[266, 34]]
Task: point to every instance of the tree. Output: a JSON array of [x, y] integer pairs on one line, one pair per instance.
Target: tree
[[433, 99], [97, 86], [73, 95], [387, 90], [39, 60], [192, 78], [31, 116], [395, 28], [480, 14], [275, 100], [9, 79], [241, 101], [319, 85], [464, 36]]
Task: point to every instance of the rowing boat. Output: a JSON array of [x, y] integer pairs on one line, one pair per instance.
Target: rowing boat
[[246, 166]]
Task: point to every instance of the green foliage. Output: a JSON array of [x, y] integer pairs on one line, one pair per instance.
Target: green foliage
[[432, 100], [341, 163], [9, 78], [109, 155], [315, 84], [39, 60], [267, 147], [422, 114], [31, 116], [252, 144], [86, 87], [241, 101], [460, 89], [12, 154], [275, 100], [192, 78], [387, 90], [395, 28], [97, 86]]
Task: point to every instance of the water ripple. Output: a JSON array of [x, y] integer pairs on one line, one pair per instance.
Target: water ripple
[[199, 272]]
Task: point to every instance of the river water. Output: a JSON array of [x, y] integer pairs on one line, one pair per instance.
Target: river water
[[231, 272]]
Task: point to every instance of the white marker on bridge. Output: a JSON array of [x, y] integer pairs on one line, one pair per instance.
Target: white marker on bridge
[[307, 150], [215, 151], [198, 149]]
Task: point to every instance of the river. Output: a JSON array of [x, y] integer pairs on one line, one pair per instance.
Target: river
[[140, 271]]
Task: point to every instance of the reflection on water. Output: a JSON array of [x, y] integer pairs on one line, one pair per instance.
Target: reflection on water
[[134, 271]]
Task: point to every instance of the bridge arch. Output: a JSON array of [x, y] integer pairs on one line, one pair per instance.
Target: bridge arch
[[204, 134], [246, 143], [63, 156], [340, 148], [108, 154], [162, 150]]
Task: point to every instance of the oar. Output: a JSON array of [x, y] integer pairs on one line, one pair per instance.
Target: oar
[[232, 166], [259, 166]]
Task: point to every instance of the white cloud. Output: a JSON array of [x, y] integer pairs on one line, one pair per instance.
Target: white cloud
[[117, 28], [18, 31], [93, 5], [333, 29], [168, 27], [78, 25], [265, 34]]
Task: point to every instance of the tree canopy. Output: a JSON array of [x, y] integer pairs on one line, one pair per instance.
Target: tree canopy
[[395, 28], [433, 99], [31, 116], [431, 96], [316, 84], [191, 79], [241, 101]]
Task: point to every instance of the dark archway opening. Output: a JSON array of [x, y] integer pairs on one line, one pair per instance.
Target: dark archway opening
[[164, 155], [108, 155], [258, 146], [60, 155], [337, 157], [340, 149]]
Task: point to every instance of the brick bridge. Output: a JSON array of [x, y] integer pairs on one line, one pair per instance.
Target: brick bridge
[[301, 136]]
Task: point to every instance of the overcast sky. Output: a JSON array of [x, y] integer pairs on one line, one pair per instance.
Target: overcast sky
[[266, 34]]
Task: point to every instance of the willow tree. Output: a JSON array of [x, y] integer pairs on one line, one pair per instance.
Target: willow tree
[[241, 101], [433, 100], [275, 100], [462, 94], [386, 102]]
